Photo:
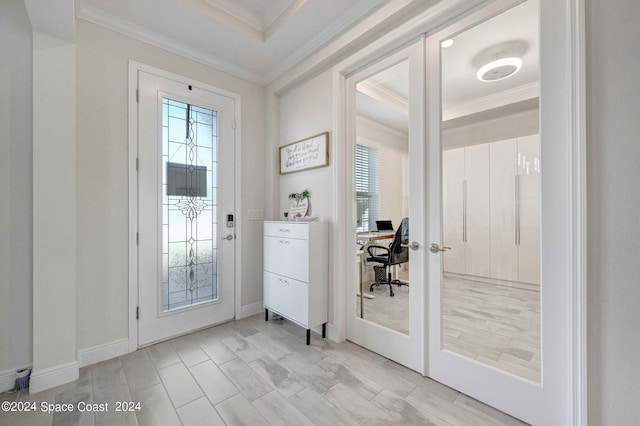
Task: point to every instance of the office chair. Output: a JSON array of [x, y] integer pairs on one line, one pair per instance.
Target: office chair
[[396, 254]]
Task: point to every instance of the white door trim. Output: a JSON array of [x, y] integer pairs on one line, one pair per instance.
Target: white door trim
[[134, 67], [429, 22]]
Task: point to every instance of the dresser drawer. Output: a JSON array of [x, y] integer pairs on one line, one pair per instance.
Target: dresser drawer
[[287, 296], [287, 256], [298, 231]]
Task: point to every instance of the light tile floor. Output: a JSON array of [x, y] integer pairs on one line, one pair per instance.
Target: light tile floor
[[252, 372]]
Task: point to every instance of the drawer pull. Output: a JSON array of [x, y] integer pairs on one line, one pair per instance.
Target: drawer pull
[[284, 242], [285, 230], [282, 280]]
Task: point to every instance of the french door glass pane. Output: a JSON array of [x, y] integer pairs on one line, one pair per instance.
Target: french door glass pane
[[381, 189], [189, 204], [491, 193]]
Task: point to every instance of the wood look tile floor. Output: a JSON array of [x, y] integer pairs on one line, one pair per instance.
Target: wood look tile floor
[[252, 372]]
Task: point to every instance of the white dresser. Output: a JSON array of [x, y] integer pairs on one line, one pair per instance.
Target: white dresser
[[296, 272]]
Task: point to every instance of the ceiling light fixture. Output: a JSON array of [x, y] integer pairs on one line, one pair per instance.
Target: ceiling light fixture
[[499, 69], [447, 43]]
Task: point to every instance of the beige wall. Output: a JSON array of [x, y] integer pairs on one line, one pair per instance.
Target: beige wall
[[613, 179], [102, 175]]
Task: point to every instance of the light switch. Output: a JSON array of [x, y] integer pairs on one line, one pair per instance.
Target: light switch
[[254, 214]]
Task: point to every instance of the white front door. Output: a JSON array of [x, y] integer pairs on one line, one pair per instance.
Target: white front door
[[186, 205], [500, 216], [388, 161]]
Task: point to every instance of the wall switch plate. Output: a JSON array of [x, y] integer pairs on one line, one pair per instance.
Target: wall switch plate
[[254, 214]]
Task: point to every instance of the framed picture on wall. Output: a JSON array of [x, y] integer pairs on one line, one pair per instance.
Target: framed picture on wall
[[309, 153]]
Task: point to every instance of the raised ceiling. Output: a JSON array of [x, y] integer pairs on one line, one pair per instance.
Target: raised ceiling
[[257, 40]]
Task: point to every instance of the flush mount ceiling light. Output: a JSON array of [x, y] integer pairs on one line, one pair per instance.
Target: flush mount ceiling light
[[447, 43], [499, 69]]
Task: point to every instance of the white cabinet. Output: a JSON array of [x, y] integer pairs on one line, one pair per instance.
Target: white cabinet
[[296, 272], [503, 176], [466, 220], [529, 209], [453, 206], [491, 203], [477, 216]]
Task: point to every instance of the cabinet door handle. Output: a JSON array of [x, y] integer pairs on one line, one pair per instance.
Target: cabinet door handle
[[516, 208], [464, 210]]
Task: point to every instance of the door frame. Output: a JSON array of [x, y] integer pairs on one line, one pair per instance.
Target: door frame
[[134, 68], [571, 25]]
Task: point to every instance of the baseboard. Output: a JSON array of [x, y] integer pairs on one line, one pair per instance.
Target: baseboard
[[54, 376], [8, 378], [250, 310], [332, 333], [102, 352]]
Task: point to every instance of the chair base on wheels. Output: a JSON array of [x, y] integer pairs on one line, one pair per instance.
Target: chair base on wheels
[[382, 276]]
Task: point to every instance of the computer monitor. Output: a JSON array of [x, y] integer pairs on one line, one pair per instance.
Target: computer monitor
[[384, 225]]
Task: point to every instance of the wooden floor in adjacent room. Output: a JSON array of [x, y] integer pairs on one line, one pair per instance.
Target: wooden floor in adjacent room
[[494, 324]]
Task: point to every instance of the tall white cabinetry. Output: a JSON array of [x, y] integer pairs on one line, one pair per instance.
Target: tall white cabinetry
[[296, 272], [467, 221], [491, 199]]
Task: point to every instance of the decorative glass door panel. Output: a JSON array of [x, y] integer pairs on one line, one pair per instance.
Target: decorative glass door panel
[[189, 213], [186, 254]]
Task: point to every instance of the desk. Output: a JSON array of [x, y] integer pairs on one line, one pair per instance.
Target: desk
[[376, 236]]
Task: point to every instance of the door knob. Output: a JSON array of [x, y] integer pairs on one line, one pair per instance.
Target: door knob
[[229, 237], [435, 248], [414, 245]]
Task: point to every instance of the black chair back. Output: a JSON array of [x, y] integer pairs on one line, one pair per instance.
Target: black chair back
[[399, 252]]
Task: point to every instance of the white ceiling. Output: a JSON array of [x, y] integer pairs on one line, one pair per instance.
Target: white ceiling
[[262, 39], [254, 39]]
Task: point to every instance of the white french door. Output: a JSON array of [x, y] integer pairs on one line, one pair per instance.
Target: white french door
[[510, 342], [398, 336], [503, 340], [185, 207]]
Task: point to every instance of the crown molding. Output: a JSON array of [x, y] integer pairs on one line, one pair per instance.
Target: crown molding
[[385, 95], [382, 127], [495, 100], [95, 16], [331, 32]]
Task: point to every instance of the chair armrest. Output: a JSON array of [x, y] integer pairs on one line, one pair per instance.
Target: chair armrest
[[386, 253]]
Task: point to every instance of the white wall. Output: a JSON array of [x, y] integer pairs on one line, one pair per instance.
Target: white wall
[[16, 260], [54, 197], [613, 156], [102, 175], [306, 111]]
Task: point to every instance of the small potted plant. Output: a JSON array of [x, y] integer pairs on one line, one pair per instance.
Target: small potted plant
[[299, 204]]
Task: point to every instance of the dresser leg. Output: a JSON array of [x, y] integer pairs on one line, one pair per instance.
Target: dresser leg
[[324, 330], [308, 336], [266, 314]]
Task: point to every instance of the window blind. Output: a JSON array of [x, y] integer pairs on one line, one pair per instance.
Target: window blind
[[367, 187]]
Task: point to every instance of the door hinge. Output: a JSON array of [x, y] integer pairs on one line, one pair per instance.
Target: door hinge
[[137, 312], [137, 95], [137, 164], [234, 125], [137, 238]]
